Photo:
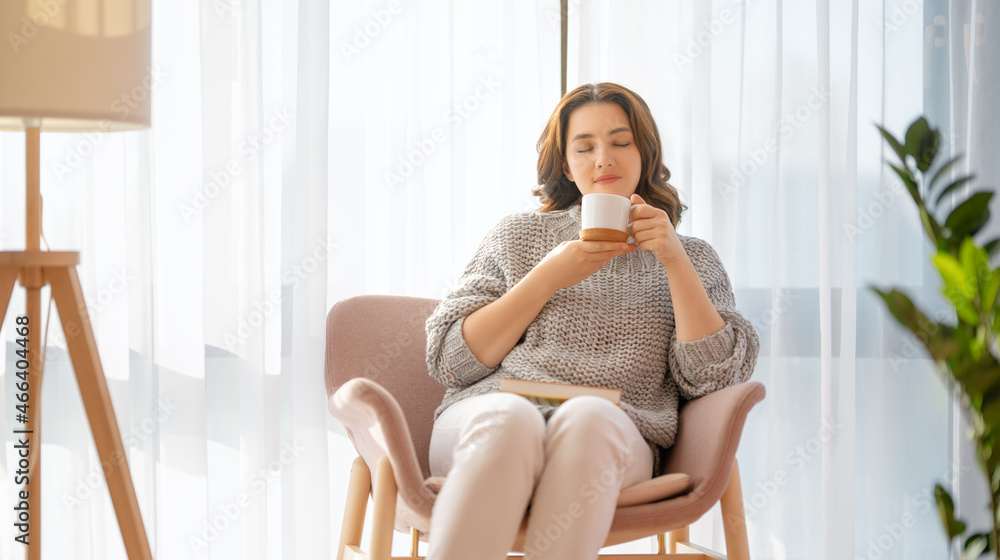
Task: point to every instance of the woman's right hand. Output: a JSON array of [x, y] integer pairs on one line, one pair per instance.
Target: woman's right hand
[[492, 331], [572, 261]]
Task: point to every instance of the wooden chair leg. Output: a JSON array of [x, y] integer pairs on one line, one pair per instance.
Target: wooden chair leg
[[661, 544], [414, 542], [678, 536], [733, 519], [384, 515], [357, 504], [8, 274]]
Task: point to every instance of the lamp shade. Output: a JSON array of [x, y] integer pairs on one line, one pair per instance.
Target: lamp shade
[[72, 65]]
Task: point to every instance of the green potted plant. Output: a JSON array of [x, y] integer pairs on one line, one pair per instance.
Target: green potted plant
[[965, 349]]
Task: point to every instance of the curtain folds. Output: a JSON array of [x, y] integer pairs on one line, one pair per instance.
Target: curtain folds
[[767, 110], [303, 152]]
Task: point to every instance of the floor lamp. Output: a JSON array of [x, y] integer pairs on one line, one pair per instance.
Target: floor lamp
[[67, 66]]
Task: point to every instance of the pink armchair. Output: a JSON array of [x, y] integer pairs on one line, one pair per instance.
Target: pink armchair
[[378, 387]]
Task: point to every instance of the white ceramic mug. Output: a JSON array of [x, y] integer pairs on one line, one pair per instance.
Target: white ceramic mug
[[605, 217]]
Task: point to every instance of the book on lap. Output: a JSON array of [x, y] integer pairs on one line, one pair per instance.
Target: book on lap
[[553, 393]]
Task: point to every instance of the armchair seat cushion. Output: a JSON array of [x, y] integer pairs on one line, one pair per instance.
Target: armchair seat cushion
[[653, 490]]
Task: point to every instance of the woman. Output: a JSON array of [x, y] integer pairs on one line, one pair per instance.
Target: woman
[[654, 318]]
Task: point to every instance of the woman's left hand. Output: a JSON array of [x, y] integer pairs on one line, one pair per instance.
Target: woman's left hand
[[653, 232]]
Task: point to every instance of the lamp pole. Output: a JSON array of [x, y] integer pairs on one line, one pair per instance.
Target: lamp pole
[[70, 76], [32, 281], [36, 268]]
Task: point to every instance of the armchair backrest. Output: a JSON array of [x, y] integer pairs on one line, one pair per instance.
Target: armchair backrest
[[382, 338]]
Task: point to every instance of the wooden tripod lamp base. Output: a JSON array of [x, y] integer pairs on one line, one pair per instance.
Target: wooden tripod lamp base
[[58, 269], [73, 77]]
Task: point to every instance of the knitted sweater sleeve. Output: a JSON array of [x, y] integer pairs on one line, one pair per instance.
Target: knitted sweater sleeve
[[720, 359], [484, 280]]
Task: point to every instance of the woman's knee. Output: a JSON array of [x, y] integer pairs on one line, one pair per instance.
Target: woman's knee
[[598, 436], [513, 411], [505, 422], [590, 416]]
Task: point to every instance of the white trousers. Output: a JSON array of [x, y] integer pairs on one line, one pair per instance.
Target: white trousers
[[499, 456]]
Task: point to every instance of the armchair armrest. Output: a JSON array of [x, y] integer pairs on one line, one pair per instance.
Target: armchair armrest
[[708, 434], [377, 427]]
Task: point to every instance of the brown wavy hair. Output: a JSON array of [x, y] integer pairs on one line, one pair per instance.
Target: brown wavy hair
[[557, 192]]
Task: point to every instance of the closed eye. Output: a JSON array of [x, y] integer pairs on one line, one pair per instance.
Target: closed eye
[[585, 150]]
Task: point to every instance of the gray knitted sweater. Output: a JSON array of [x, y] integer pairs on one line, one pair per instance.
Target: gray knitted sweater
[[614, 329]]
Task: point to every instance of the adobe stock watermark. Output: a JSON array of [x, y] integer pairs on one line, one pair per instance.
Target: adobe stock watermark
[[365, 34], [900, 15], [781, 302], [293, 277], [555, 19], [251, 148], [226, 7], [390, 350], [450, 284], [228, 514], [609, 480], [795, 461], [868, 215], [892, 533], [428, 145], [47, 11], [884, 199], [910, 351], [701, 39], [472, 442], [757, 157], [122, 106], [95, 304], [135, 436]]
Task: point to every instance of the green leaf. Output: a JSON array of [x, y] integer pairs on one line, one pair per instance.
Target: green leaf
[[922, 143], [909, 182], [975, 546], [927, 151], [988, 290], [956, 281], [976, 263], [894, 144], [992, 246], [981, 381], [957, 183], [990, 407], [941, 171], [946, 508], [938, 339], [903, 310], [970, 216], [932, 228], [915, 136], [967, 313], [970, 261], [964, 364]]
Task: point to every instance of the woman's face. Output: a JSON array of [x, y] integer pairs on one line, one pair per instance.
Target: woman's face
[[601, 154]]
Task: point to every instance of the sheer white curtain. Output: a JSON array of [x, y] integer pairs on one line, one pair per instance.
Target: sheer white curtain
[[301, 152], [435, 110], [767, 109], [304, 152], [205, 257]]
